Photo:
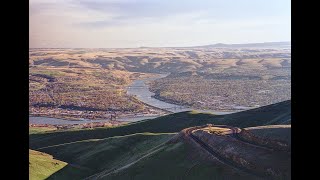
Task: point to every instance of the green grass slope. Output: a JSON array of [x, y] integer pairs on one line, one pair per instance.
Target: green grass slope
[[274, 132], [97, 155], [137, 150], [279, 113], [175, 161], [42, 165], [36, 130], [274, 114]]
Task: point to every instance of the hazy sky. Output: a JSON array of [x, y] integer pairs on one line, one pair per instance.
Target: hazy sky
[[134, 23]]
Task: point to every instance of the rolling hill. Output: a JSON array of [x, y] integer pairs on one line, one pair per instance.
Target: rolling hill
[[149, 149], [250, 45], [159, 60]]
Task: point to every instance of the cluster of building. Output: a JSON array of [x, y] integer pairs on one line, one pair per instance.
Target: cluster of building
[[84, 114], [80, 126], [222, 94]]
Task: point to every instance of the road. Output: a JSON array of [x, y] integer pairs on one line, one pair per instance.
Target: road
[[235, 134], [221, 158]]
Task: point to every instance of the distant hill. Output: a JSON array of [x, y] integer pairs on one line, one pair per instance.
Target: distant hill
[[165, 60], [249, 45]]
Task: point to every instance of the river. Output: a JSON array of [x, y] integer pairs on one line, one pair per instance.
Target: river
[[56, 121], [140, 89]]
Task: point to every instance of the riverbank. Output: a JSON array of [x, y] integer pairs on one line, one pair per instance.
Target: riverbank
[[219, 111], [57, 121], [82, 125], [140, 89], [220, 91]]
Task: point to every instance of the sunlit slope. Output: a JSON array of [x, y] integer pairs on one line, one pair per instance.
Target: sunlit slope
[[42, 165], [274, 114], [39, 130], [102, 155]]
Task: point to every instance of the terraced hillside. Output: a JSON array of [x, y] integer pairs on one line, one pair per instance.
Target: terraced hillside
[[150, 149]]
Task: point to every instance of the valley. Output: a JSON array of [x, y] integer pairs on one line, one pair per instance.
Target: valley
[[93, 83], [158, 90], [208, 112]]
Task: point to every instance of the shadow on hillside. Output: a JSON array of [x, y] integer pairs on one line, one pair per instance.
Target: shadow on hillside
[[70, 172], [272, 114], [280, 134], [267, 115]]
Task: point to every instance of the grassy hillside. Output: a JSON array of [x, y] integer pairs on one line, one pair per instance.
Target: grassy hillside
[[137, 156], [276, 132], [36, 130], [279, 113], [42, 165], [96, 155], [137, 150], [175, 161]]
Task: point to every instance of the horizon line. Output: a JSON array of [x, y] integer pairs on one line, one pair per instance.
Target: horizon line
[[193, 46]]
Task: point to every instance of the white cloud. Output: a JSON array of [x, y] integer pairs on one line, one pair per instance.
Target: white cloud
[[67, 23]]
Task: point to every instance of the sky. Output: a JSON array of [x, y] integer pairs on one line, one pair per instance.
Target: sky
[[156, 23]]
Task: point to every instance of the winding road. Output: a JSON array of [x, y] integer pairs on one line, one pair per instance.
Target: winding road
[[235, 134], [218, 156]]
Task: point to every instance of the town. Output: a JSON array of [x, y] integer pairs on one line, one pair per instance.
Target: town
[[110, 123]]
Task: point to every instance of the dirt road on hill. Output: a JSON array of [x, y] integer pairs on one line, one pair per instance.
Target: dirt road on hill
[[219, 157], [236, 135]]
